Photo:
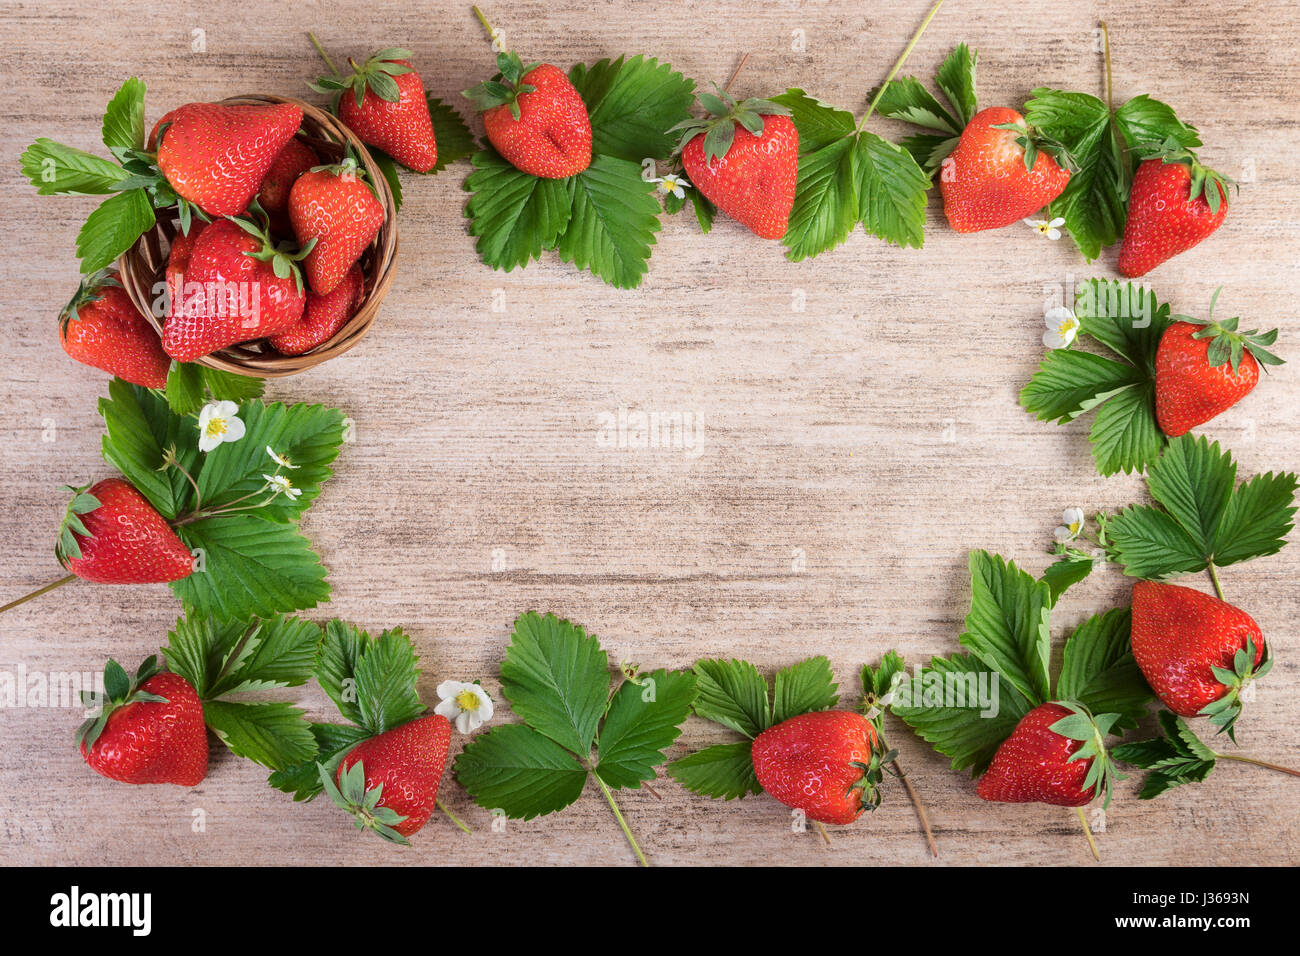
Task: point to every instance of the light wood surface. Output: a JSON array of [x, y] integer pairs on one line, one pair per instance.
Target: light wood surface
[[872, 439]]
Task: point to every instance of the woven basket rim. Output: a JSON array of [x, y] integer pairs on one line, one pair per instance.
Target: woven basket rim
[[142, 266]]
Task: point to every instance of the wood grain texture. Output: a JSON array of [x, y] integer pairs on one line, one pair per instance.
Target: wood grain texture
[[875, 433]]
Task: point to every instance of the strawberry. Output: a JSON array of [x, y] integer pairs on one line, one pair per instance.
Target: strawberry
[[178, 261], [1055, 755], [273, 196], [238, 287], [390, 782], [324, 316], [334, 211], [744, 159], [535, 118], [1197, 652], [1204, 367], [824, 763], [112, 535], [1173, 204], [102, 327], [1000, 172], [383, 102], [216, 156]]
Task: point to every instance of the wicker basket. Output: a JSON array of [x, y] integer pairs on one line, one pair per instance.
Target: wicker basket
[[143, 265]]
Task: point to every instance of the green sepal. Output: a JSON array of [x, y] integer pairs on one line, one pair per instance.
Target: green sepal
[[1091, 731], [375, 74], [1227, 344], [72, 526], [719, 127], [283, 257], [1223, 713], [505, 91], [1206, 182], [1033, 142], [120, 689], [350, 794]]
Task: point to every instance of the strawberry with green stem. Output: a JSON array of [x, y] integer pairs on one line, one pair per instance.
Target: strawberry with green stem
[[534, 117], [102, 327], [1205, 366], [335, 215]]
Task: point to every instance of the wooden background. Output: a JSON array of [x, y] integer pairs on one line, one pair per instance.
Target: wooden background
[[872, 439]]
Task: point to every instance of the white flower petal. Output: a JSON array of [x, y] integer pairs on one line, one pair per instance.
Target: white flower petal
[[448, 689], [463, 722], [234, 428]]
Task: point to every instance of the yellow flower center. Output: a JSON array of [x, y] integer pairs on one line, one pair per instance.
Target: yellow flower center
[[1044, 227], [1066, 327], [1075, 526], [216, 427], [467, 700]]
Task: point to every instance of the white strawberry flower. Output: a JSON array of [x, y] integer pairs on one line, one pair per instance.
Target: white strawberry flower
[[673, 185], [1073, 526], [467, 705], [219, 423], [1062, 327], [279, 459], [1050, 228], [281, 485]]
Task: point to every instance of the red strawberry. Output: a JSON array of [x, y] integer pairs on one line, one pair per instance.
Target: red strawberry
[[383, 102], [102, 327], [216, 156], [394, 788], [1204, 367], [149, 729], [823, 763], [535, 118], [333, 208], [112, 535], [178, 261], [273, 196], [238, 287], [1000, 172], [1055, 755], [1195, 650], [1173, 204], [324, 315], [745, 160]]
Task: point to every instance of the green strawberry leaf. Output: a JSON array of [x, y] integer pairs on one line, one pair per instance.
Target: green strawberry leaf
[[388, 169], [333, 741], [451, 133], [632, 103], [514, 215], [1125, 436], [956, 77], [229, 387], [825, 201], [58, 170], [123, 127], [372, 680], [1144, 122], [139, 427], [1176, 757], [906, 99], [803, 687], [520, 772], [1259, 515], [230, 657], [891, 191], [1098, 670], [643, 720], [113, 228], [1007, 624], [274, 734], [612, 222], [734, 694], [723, 771], [185, 392], [1061, 575], [819, 124], [1069, 383]]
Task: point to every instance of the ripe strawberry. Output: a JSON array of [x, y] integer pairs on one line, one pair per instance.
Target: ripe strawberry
[[1173, 204], [324, 315], [1204, 367], [383, 102], [238, 287], [149, 728], [273, 196], [178, 261], [1055, 755], [824, 763], [333, 210], [216, 156], [1196, 651], [112, 535], [535, 118], [102, 327], [393, 789], [1000, 172], [744, 159]]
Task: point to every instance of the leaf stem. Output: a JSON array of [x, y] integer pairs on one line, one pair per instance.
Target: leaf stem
[[38, 592], [736, 72], [821, 828], [1087, 830], [1214, 579], [452, 817], [627, 831], [1105, 36], [323, 55], [920, 808], [1260, 763], [483, 20], [898, 64]]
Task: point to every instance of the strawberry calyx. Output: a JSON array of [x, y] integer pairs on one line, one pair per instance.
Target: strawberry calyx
[[1227, 344], [1033, 142], [1172, 152], [83, 502], [281, 255], [506, 90], [120, 689], [348, 169], [88, 291], [350, 794], [1091, 731], [719, 127], [1223, 713], [375, 74], [873, 773]]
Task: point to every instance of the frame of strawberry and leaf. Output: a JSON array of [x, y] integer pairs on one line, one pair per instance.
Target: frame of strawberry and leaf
[[575, 727], [605, 218], [734, 694], [229, 506], [455, 142], [1095, 139]]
